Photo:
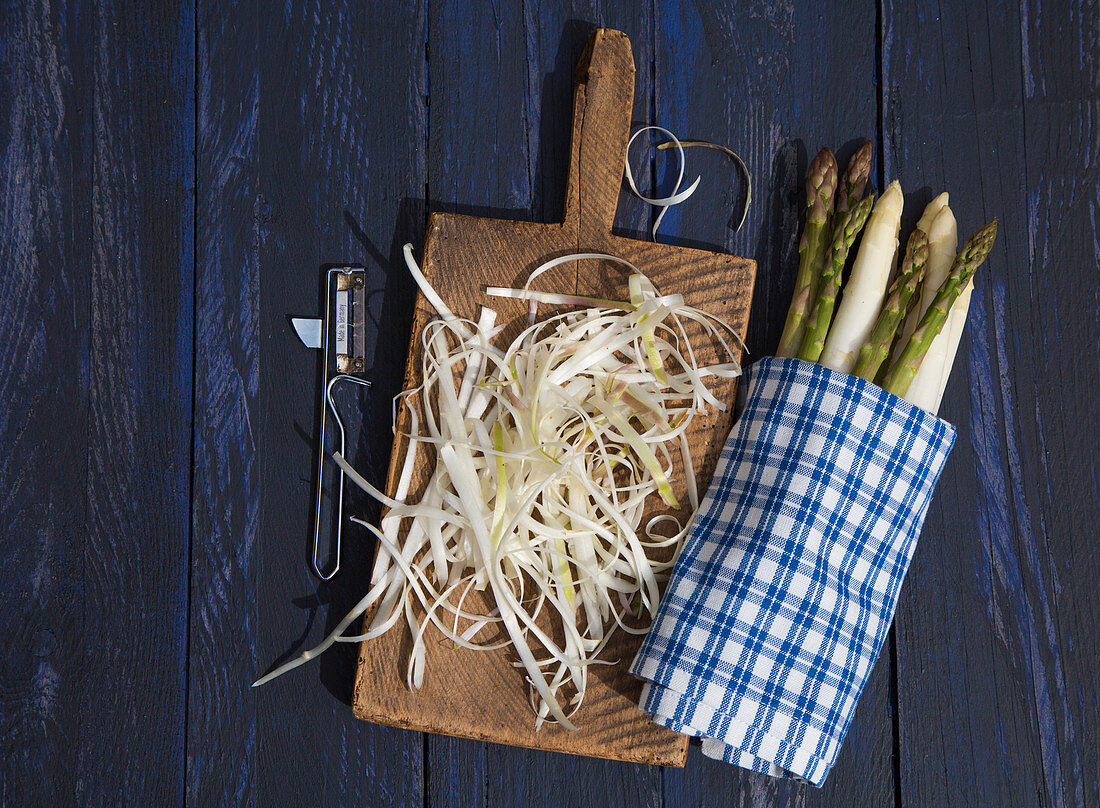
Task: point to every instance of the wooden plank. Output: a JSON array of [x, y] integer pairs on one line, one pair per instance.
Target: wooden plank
[[547, 780], [1057, 420], [44, 349], [555, 35], [997, 648], [455, 772], [959, 618], [311, 135], [462, 255], [479, 162], [775, 87], [95, 361]]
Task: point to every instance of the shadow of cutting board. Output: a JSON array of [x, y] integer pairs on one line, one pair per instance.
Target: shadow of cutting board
[[481, 695]]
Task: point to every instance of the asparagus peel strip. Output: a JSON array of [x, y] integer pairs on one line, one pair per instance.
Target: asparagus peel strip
[[848, 225], [912, 353], [821, 182], [901, 297]]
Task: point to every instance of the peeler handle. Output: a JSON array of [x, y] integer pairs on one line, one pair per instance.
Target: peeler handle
[[323, 457]]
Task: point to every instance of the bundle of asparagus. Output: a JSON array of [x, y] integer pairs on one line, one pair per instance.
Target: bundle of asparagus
[[899, 329]]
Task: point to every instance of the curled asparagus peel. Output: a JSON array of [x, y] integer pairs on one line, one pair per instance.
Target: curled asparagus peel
[[912, 353], [848, 225], [687, 144], [901, 298], [821, 182]]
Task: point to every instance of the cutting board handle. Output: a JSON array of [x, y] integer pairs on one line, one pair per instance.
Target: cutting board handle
[[602, 104]]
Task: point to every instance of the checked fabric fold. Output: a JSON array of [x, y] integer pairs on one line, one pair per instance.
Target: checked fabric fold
[[786, 586]]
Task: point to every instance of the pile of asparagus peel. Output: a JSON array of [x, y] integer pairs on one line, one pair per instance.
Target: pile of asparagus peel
[[898, 326]]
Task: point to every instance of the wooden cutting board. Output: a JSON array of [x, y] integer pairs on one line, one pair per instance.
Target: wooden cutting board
[[481, 695]]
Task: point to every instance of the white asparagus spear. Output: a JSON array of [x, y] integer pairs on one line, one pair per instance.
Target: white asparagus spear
[[941, 254], [931, 210], [866, 288], [943, 240], [956, 322]]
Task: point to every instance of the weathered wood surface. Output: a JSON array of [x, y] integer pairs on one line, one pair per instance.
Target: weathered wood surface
[[290, 176], [998, 653], [95, 400], [319, 130], [463, 255]]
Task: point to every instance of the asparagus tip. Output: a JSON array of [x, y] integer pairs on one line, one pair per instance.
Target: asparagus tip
[[821, 176]]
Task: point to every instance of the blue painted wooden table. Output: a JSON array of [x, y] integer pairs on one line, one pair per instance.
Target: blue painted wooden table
[[174, 176]]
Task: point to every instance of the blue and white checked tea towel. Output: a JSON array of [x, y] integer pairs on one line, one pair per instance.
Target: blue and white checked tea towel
[[785, 589]]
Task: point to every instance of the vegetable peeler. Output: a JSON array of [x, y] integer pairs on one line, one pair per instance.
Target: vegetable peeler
[[342, 340]]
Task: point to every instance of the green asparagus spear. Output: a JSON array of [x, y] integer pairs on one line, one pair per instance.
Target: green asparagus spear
[[821, 180], [848, 225], [899, 301], [850, 190], [910, 355]]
